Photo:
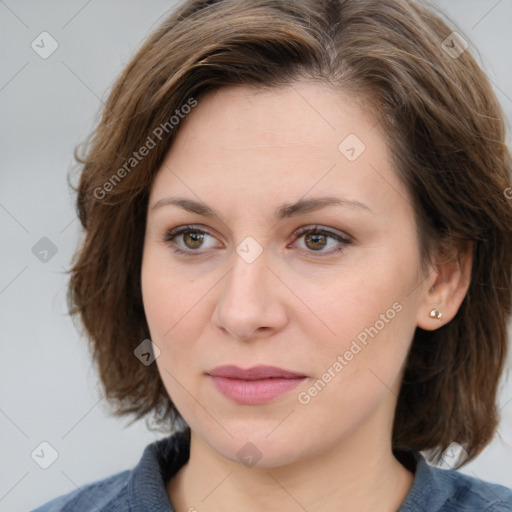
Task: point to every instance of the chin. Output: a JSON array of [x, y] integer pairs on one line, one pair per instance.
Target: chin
[[253, 446]]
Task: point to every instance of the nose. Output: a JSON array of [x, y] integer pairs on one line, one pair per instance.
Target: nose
[[249, 304]]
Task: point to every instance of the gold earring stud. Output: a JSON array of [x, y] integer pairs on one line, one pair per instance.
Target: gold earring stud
[[435, 313]]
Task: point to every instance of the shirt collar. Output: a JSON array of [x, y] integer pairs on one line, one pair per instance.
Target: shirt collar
[[424, 490], [161, 460]]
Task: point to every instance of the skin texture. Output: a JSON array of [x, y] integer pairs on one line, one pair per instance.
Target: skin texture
[[245, 152]]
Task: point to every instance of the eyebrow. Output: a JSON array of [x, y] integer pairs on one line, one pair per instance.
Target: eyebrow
[[286, 210]]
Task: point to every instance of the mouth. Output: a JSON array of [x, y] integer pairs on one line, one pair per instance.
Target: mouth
[[254, 386]]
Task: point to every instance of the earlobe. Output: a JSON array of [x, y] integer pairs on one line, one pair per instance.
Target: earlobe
[[443, 298]]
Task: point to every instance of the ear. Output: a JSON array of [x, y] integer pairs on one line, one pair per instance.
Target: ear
[[446, 287]]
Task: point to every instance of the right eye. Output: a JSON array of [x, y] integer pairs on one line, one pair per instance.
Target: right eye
[[191, 239]]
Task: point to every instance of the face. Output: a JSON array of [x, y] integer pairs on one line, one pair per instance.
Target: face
[[325, 292]]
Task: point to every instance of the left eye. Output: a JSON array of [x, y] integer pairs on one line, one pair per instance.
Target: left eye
[[315, 240]]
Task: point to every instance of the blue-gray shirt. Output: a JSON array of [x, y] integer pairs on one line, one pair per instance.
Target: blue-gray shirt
[[143, 489]]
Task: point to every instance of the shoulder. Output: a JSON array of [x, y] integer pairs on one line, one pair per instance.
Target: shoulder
[[140, 488], [467, 493], [108, 494], [447, 490]]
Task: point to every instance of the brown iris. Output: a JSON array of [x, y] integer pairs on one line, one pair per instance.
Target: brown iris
[[318, 240], [195, 237]]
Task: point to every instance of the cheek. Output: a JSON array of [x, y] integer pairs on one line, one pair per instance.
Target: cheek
[[371, 315], [373, 338], [167, 295], [170, 317], [357, 370], [174, 306]]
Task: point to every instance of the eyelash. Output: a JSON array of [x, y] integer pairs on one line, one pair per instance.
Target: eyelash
[[170, 235]]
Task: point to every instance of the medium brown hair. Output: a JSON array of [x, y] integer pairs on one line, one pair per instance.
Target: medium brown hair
[[444, 128]]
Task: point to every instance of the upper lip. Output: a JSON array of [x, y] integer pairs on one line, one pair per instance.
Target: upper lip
[[254, 373]]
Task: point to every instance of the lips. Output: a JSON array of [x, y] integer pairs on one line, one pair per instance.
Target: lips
[[255, 373], [253, 386]]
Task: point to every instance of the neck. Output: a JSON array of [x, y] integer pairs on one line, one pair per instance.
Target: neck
[[360, 474]]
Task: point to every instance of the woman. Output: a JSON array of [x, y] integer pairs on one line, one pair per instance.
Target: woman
[[298, 255]]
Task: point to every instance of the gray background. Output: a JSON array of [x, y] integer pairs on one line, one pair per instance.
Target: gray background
[[48, 389]]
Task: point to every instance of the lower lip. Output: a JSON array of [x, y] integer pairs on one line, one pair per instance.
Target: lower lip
[[254, 392]]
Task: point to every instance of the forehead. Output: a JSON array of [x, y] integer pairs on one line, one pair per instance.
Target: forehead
[[302, 113], [302, 138]]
